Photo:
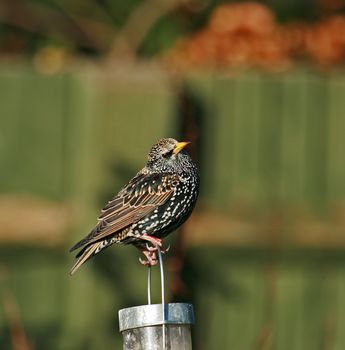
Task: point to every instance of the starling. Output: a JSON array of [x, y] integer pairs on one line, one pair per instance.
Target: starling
[[154, 203]]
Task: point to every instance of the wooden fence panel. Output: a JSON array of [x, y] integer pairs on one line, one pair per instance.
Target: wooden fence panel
[[336, 130], [257, 299], [277, 137], [293, 131], [31, 109]]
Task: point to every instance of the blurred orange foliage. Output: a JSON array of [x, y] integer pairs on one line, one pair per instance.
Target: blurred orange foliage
[[247, 34]]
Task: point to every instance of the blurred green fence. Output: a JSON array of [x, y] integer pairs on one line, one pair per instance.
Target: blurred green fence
[[269, 142], [273, 137]]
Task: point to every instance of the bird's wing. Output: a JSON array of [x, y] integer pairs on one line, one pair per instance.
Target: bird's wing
[[143, 194]]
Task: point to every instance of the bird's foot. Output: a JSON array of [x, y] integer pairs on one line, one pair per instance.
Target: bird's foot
[[154, 244], [151, 257], [155, 248]]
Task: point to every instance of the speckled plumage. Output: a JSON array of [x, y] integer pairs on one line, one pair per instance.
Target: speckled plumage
[[154, 203]]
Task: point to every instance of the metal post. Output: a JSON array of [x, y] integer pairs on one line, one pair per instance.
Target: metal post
[[161, 268], [157, 326], [141, 327], [149, 285]]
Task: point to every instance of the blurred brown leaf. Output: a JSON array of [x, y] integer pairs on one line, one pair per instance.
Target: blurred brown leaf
[[247, 34]]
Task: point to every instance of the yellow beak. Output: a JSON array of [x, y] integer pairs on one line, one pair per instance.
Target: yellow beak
[[180, 146]]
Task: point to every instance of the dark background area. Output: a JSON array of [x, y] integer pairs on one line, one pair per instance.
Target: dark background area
[[96, 28]]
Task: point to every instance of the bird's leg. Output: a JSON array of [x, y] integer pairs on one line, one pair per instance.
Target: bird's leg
[[155, 241]]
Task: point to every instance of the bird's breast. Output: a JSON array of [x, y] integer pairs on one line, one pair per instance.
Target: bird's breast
[[170, 215]]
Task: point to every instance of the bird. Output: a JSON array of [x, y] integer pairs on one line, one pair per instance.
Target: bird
[[155, 202]]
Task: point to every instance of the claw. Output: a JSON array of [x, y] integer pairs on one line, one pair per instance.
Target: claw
[[151, 258], [144, 262], [151, 248], [155, 248], [163, 251]]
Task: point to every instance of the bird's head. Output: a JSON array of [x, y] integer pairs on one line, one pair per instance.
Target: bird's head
[[167, 155]]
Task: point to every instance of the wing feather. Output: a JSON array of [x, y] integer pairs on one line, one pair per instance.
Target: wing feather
[[142, 195]]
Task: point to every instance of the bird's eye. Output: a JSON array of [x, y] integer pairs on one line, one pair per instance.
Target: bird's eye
[[168, 154]]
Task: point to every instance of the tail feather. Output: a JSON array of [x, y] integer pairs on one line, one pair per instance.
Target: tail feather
[[82, 242], [86, 239], [85, 255], [79, 244]]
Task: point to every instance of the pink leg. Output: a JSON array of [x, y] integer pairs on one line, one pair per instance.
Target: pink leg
[[155, 241]]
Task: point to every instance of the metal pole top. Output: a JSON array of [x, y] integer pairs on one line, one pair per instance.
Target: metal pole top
[[151, 315]]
